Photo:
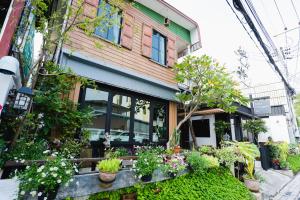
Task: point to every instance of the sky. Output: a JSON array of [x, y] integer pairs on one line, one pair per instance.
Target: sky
[[222, 34]]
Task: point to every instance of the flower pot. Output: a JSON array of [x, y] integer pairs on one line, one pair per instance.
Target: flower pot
[[131, 196], [176, 149], [172, 175], [50, 195], [275, 166], [252, 184], [107, 177], [146, 178]]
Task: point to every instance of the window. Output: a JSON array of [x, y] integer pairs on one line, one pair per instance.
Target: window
[[130, 118], [97, 100], [109, 29], [120, 118], [201, 127], [158, 48], [4, 6], [141, 121]]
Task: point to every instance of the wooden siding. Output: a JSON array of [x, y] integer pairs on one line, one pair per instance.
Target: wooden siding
[[172, 117], [117, 55]]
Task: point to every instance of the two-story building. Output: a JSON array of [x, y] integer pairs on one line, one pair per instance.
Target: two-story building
[[134, 101]]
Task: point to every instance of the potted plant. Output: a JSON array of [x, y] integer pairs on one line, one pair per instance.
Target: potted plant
[[175, 141], [43, 181], [146, 163], [174, 166], [108, 169]]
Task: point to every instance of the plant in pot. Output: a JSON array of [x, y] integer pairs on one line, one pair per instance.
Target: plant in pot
[[208, 150], [43, 181], [274, 154], [108, 169], [147, 162], [249, 152], [174, 166], [175, 141]]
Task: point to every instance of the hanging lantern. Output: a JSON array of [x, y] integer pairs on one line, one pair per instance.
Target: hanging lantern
[[23, 98]]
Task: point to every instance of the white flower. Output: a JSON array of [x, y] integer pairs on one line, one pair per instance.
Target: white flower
[[22, 192], [30, 179], [55, 168], [58, 181], [67, 184], [22, 161], [68, 171], [27, 167], [76, 170], [45, 152], [54, 175], [71, 180], [63, 164], [77, 183], [45, 198], [51, 169], [42, 182], [16, 158], [33, 193], [140, 176], [40, 194], [43, 175]]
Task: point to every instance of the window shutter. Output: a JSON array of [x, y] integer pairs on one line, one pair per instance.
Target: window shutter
[[171, 52], [90, 8], [127, 31], [147, 40]]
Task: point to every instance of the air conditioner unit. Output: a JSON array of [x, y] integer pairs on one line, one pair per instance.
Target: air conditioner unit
[[167, 22]]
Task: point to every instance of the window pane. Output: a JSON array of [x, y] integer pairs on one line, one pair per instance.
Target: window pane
[[155, 55], [120, 118], [162, 50], [155, 41], [159, 123], [141, 121], [97, 100]]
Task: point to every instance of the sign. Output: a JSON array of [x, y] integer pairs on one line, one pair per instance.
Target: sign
[[262, 106]]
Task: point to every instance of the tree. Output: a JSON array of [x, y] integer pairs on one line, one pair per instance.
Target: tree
[[207, 84], [297, 105], [255, 126]]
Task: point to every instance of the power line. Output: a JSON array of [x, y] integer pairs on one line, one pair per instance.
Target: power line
[[238, 5], [285, 28], [247, 32]]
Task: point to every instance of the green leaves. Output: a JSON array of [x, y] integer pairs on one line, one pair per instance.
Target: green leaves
[[255, 126]]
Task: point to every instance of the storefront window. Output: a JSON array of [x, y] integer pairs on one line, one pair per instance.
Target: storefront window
[[159, 122], [120, 118], [98, 101], [141, 121]]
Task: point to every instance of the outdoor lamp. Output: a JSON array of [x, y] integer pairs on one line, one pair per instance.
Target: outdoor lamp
[[23, 98]]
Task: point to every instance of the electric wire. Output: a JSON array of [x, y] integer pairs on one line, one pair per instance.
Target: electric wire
[[298, 46], [280, 15]]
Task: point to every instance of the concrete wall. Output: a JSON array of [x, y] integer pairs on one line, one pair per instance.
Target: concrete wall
[[277, 129], [212, 140]]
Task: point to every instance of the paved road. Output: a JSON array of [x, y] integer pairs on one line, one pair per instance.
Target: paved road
[[291, 191]]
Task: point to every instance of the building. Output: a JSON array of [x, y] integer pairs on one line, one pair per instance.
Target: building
[[134, 100]]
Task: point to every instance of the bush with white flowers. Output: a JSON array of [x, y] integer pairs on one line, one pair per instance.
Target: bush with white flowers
[[37, 180]]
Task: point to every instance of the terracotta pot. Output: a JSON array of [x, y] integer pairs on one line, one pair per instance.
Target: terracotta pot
[[252, 184], [131, 196], [107, 177], [176, 149]]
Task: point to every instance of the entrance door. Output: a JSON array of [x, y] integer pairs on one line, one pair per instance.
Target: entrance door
[[204, 130]]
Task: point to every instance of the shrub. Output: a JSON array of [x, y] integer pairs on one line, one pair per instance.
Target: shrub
[[109, 165], [228, 156], [294, 149], [209, 150], [146, 163], [201, 163], [215, 184], [116, 153], [174, 166], [47, 177], [294, 162]]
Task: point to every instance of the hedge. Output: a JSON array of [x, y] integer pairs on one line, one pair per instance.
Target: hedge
[[215, 184], [294, 163]]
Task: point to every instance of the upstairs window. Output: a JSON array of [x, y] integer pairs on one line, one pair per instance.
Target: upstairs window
[[110, 27], [158, 47]]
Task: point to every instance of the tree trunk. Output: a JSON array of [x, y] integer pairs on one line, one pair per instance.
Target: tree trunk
[[193, 134]]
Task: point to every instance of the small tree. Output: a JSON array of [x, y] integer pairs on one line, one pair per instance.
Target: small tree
[[208, 84], [255, 126]]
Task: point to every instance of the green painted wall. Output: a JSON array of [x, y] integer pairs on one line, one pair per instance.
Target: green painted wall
[[175, 28]]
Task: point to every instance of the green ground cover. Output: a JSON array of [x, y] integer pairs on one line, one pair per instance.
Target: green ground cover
[[294, 162], [215, 184]]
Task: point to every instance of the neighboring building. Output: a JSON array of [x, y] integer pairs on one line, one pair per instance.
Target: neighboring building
[[203, 122], [134, 100]]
